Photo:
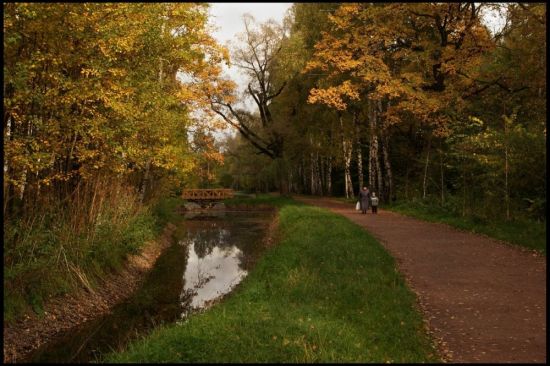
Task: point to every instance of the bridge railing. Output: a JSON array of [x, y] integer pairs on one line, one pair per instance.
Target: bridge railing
[[207, 194]]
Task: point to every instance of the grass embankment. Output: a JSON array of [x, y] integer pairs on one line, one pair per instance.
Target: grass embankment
[[522, 232], [62, 248], [525, 233], [260, 200], [327, 292]]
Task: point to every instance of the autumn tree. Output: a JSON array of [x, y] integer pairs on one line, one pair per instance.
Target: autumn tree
[[84, 83], [311, 133], [506, 98], [443, 108], [256, 55], [98, 104], [406, 65]]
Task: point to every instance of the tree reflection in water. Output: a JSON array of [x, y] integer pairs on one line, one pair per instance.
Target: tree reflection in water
[[213, 264]]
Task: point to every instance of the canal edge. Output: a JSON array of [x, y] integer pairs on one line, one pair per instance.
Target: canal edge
[[62, 314]]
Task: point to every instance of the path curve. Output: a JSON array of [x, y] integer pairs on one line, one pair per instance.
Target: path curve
[[484, 300]]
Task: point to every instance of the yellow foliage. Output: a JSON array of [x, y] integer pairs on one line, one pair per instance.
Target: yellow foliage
[[96, 88]]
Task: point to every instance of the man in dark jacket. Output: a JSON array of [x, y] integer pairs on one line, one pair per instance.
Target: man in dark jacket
[[364, 197]]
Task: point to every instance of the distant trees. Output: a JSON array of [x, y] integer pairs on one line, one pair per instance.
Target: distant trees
[[418, 100]]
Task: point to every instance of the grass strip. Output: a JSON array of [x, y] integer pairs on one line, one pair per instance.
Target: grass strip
[[522, 232], [327, 292]]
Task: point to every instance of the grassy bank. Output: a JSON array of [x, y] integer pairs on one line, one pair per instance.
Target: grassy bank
[[62, 248], [327, 292], [525, 233], [274, 200]]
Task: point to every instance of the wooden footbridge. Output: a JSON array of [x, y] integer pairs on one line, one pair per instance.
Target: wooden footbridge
[[207, 195]]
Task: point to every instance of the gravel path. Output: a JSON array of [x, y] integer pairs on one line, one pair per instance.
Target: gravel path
[[483, 300]]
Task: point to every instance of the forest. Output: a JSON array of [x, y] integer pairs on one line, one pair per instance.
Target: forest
[[110, 108], [416, 101]]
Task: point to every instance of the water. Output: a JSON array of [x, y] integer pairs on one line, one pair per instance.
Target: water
[[210, 255]]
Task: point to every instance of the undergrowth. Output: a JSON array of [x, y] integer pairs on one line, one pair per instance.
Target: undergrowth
[[67, 245]]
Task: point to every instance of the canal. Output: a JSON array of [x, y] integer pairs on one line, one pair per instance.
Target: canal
[[210, 255]]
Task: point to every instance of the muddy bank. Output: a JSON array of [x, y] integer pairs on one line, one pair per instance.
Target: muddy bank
[[62, 314]]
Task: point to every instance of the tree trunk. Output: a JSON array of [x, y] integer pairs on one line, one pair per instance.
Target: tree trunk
[[441, 171], [347, 169], [329, 176], [424, 184], [346, 146], [24, 176], [506, 170], [312, 176], [380, 179], [291, 181], [359, 166], [371, 142], [322, 176], [463, 186], [319, 175], [407, 183], [283, 184], [8, 171], [381, 185], [374, 163], [303, 175], [359, 152], [145, 181], [390, 195]]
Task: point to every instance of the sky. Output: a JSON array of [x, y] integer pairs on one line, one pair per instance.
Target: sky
[[228, 22], [227, 17]]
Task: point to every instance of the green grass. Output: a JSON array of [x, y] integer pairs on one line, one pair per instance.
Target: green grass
[[165, 212], [40, 256], [525, 233], [327, 292], [522, 232], [261, 199]]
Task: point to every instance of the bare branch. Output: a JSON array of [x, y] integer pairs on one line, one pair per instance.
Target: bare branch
[[277, 93], [246, 132], [489, 84]]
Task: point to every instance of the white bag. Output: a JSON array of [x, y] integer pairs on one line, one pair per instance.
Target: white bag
[[357, 206]]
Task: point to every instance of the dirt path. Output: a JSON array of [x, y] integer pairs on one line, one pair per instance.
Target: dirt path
[[484, 300]]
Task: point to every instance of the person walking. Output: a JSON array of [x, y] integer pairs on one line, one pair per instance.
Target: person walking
[[364, 197], [374, 202]]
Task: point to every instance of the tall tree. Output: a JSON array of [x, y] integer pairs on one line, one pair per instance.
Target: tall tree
[[257, 56]]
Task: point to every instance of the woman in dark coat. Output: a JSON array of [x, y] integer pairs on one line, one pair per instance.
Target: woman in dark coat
[[364, 197]]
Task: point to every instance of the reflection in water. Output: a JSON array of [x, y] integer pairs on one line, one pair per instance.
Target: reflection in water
[[213, 256], [213, 265], [198, 214], [211, 276]]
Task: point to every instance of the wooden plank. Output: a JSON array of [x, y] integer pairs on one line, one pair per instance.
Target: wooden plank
[[207, 194]]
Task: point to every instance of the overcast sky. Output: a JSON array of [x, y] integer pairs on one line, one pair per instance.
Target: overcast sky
[[227, 18]]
